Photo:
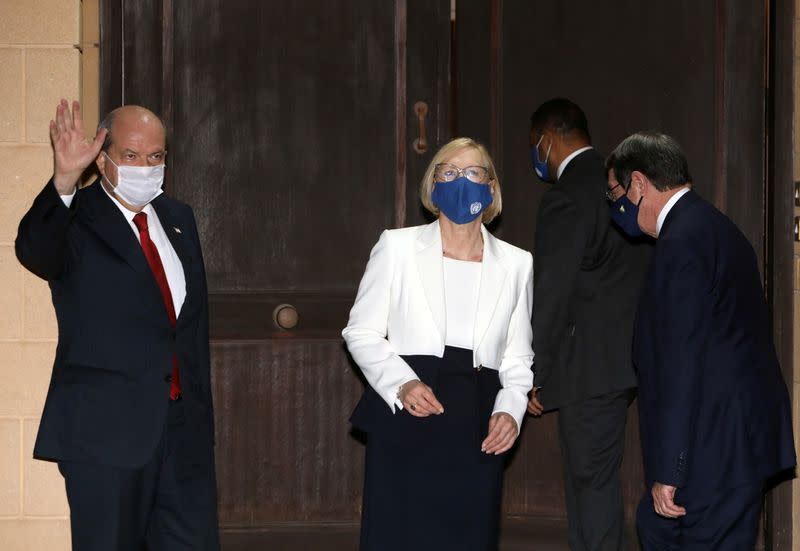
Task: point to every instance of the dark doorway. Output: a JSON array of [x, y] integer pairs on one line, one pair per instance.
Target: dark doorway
[[716, 75]]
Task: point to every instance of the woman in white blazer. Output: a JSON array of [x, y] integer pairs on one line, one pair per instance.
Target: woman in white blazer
[[441, 330]]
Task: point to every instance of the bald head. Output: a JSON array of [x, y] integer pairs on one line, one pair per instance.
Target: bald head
[[136, 137], [130, 117]]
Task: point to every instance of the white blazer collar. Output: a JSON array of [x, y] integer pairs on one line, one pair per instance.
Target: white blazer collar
[[429, 265], [493, 275]]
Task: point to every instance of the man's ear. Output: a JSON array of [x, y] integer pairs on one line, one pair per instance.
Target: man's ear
[[639, 180], [100, 161]]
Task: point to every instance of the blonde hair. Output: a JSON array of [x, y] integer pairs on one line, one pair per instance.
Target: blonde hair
[[447, 151]]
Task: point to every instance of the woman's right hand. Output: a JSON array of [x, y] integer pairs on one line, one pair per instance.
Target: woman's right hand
[[418, 399]]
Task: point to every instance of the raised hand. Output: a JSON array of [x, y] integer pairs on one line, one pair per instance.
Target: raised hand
[[72, 152]]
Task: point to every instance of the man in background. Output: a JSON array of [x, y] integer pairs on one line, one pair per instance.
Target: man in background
[[586, 278]]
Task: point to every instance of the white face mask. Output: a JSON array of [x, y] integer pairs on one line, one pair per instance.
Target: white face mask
[[137, 185]]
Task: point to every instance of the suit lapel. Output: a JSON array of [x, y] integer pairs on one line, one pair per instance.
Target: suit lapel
[[108, 223], [493, 276], [175, 229], [429, 266]]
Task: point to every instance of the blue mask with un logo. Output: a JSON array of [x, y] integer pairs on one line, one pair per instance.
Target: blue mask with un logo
[[461, 200]]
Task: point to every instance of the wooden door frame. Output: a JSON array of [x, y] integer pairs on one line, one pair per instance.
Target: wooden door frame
[[779, 261]]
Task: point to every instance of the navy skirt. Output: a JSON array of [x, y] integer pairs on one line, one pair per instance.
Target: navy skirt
[[427, 484]]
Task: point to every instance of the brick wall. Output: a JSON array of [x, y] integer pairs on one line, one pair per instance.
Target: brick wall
[[40, 61]]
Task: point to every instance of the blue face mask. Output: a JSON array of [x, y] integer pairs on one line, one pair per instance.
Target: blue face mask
[[461, 200], [540, 166], [625, 215]]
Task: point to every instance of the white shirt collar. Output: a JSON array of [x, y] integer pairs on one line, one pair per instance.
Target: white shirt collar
[[571, 156], [665, 210]]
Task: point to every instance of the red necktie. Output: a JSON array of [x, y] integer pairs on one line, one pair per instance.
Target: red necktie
[[153, 258]]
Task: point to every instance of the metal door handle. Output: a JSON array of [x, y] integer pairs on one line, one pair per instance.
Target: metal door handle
[[421, 143], [285, 317]]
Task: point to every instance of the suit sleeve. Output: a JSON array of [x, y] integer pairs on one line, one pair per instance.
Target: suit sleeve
[[366, 329], [202, 334], [681, 316], [515, 367], [41, 244], [560, 241]]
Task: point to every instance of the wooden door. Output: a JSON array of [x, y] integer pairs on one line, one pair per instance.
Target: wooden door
[[291, 131], [695, 70], [291, 134]]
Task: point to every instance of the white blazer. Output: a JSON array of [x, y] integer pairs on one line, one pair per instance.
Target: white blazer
[[400, 310]]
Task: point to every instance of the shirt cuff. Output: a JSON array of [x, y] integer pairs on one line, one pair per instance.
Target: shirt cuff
[[68, 198], [513, 402]]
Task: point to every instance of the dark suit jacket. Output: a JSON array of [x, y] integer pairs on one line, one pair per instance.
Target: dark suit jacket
[[713, 407], [109, 389], [586, 281]]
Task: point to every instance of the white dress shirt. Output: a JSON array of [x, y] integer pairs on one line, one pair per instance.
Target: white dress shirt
[[571, 156], [668, 207], [169, 258], [462, 281]]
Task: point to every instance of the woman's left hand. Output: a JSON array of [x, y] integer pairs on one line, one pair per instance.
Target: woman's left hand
[[502, 433]]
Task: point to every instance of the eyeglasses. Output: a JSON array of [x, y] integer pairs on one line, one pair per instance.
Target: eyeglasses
[[445, 172], [612, 195]]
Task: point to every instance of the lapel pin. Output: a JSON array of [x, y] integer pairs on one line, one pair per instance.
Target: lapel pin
[[177, 230]]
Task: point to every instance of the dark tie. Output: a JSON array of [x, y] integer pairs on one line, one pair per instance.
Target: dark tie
[[153, 258]]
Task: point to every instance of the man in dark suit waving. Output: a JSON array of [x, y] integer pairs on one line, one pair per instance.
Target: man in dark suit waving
[[713, 406], [586, 279], [128, 415]]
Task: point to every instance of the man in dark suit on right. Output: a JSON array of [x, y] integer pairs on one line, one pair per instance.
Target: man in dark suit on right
[[586, 281], [713, 406]]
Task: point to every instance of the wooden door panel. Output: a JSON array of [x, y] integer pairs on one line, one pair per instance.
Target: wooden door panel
[[283, 445], [535, 461], [289, 113]]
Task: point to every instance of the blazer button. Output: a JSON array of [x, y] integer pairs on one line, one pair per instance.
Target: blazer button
[[168, 378], [479, 368]]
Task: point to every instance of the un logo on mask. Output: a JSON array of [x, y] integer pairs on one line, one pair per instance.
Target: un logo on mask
[[475, 207]]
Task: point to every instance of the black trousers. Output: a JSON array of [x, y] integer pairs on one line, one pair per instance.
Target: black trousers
[[168, 504], [592, 435], [724, 520]]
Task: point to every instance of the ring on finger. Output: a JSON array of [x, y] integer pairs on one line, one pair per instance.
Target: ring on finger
[[414, 407]]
